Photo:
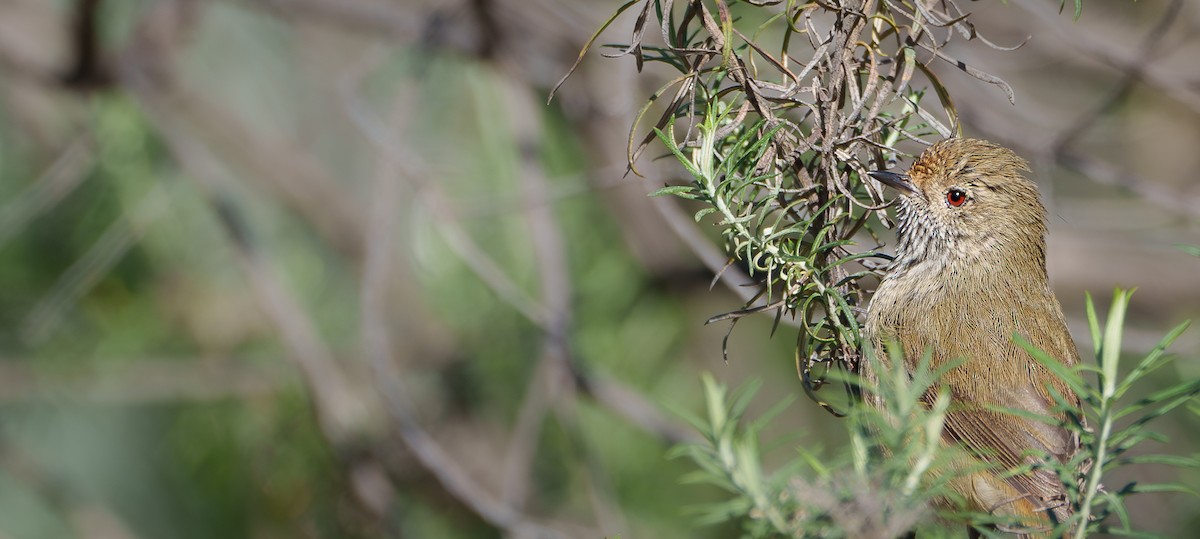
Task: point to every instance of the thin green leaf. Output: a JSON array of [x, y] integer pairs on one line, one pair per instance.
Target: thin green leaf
[[1063, 372], [674, 190], [1140, 488], [687, 163], [1110, 350], [1152, 360], [1093, 321], [588, 45], [1169, 460]]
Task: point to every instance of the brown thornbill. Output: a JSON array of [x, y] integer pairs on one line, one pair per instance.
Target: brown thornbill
[[969, 273]]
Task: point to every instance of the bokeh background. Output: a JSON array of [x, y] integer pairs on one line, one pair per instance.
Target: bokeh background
[[334, 268]]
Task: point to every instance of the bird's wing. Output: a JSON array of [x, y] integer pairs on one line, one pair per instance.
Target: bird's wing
[[1008, 441], [1005, 439]]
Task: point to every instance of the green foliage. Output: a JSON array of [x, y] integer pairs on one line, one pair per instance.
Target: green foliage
[[1078, 8], [777, 119], [897, 464], [1113, 424], [878, 489]]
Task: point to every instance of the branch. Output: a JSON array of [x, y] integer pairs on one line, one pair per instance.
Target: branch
[[635, 407]]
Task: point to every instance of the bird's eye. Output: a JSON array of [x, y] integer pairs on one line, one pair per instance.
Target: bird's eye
[[956, 197]]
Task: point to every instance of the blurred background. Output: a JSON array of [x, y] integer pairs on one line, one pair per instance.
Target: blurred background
[[334, 268]]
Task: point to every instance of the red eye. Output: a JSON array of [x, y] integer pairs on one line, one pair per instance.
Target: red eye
[[956, 197]]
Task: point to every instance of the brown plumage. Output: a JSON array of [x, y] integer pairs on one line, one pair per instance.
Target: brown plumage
[[970, 271]]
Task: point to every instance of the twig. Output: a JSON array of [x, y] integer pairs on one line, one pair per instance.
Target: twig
[[280, 168], [354, 15], [555, 280], [99, 259], [1132, 75], [627, 403], [88, 69], [341, 414], [148, 380], [1169, 82], [377, 348], [60, 179], [517, 466], [709, 254]]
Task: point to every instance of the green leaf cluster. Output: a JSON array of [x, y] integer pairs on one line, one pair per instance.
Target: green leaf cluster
[[898, 465], [777, 119]]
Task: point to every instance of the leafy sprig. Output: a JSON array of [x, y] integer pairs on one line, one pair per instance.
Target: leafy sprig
[[897, 463], [1112, 424], [778, 111]]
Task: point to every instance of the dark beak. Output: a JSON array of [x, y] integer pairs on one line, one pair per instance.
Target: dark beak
[[899, 181]]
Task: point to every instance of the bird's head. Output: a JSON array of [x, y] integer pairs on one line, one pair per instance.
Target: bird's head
[[968, 198]]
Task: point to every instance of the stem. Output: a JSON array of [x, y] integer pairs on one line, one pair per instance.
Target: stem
[[1093, 482], [703, 161], [1108, 355], [932, 442]]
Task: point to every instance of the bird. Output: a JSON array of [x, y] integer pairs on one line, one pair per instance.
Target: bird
[[970, 273]]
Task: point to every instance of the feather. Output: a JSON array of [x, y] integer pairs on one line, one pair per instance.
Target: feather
[[965, 280]]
